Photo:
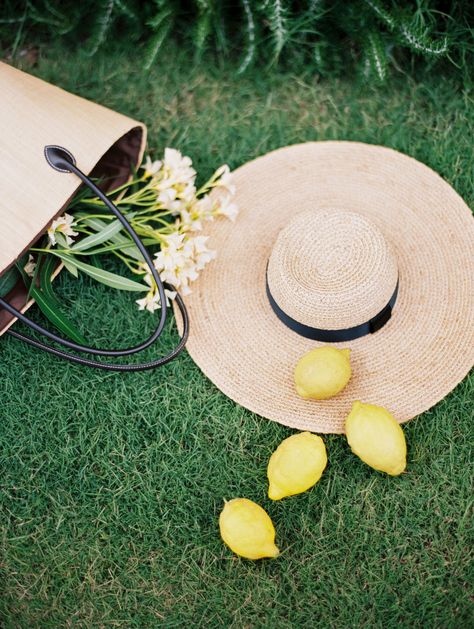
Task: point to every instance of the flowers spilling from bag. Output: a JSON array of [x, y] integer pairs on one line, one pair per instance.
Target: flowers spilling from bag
[[167, 211]]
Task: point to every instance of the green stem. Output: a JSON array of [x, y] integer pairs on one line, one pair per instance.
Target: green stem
[[121, 257], [86, 216]]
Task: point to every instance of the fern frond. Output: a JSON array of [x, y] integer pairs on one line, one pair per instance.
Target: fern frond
[[203, 27], [219, 23], [321, 57], [160, 17], [333, 35], [315, 5], [419, 41], [277, 19], [158, 38], [249, 55], [45, 15], [384, 16], [124, 9], [204, 5], [376, 58], [101, 27], [203, 30]]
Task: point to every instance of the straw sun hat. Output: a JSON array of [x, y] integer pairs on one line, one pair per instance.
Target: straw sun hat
[[345, 243]]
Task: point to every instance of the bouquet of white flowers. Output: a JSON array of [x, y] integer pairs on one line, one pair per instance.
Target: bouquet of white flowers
[[164, 207]]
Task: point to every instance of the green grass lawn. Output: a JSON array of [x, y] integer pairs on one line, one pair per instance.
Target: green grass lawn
[[111, 484]]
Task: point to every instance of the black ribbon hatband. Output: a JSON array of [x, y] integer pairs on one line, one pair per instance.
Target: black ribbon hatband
[[335, 336]]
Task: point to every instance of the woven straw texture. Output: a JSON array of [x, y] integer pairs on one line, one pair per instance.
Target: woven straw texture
[[33, 114], [422, 228], [331, 269]]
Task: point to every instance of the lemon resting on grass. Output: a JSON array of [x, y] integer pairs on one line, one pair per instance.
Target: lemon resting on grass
[[296, 465], [247, 529], [375, 437], [323, 372]]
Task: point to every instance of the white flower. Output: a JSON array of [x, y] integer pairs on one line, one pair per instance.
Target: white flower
[[174, 240], [181, 258], [151, 301], [178, 169], [187, 192], [170, 295], [190, 222], [227, 208], [151, 168], [225, 179], [180, 275], [175, 188], [193, 216], [64, 225], [30, 266], [148, 277], [203, 208], [172, 254], [202, 255], [167, 198]]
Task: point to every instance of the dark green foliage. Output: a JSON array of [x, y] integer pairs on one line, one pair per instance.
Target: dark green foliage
[[8, 281], [48, 302], [111, 484], [332, 36]]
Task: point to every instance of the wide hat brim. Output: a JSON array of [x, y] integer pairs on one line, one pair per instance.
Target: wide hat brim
[[415, 360]]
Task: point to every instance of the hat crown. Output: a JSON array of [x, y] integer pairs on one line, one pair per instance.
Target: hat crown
[[331, 269]]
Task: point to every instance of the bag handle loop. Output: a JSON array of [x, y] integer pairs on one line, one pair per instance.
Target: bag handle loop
[[63, 161]]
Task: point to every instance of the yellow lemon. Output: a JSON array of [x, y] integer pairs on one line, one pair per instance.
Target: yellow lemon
[[376, 437], [323, 372], [247, 529], [296, 465]]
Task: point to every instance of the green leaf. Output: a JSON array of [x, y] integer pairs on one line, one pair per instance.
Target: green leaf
[[47, 269], [50, 305], [99, 237], [105, 277], [118, 239], [51, 311], [72, 268], [97, 224], [47, 301], [8, 281], [61, 241]]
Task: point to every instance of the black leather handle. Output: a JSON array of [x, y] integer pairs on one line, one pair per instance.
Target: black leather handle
[[63, 161]]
